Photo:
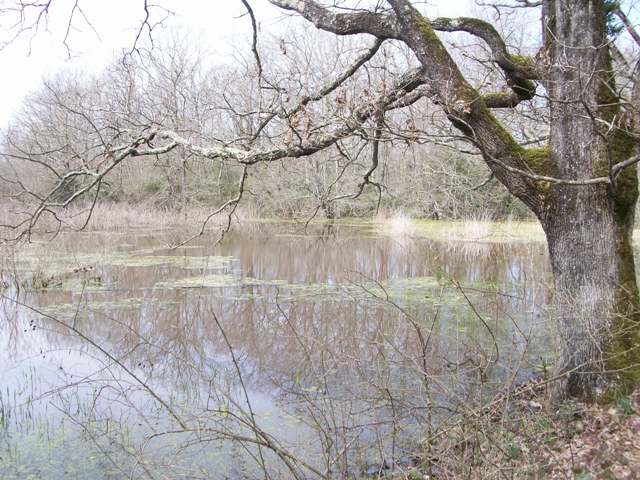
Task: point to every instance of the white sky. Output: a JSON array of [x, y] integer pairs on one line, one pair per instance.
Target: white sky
[[27, 61], [216, 23]]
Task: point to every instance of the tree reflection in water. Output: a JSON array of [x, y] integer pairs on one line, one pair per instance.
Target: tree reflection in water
[[297, 355]]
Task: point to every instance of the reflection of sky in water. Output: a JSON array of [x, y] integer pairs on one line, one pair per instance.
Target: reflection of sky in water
[[328, 346]]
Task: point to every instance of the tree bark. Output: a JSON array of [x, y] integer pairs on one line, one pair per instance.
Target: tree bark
[[595, 294], [585, 204], [589, 227]]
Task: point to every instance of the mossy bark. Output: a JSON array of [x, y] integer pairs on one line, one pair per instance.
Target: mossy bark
[[589, 227], [596, 296]]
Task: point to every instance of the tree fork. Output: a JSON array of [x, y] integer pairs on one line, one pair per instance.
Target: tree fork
[[587, 217]]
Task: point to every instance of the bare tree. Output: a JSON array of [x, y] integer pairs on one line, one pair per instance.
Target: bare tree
[[581, 184]]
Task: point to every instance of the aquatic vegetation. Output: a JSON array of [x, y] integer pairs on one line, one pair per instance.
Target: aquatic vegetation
[[478, 230], [202, 281], [179, 261], [321, 322], [62, 310]]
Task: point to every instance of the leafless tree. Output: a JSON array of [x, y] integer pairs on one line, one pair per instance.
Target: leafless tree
[[581, 183]]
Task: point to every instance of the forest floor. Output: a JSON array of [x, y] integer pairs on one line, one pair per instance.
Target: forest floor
[[585, 441], [601, 442]]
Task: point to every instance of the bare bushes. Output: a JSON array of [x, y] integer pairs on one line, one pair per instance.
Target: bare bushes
[[64, 145], [235, 370], [423, 181], [108, 215], [240, 371]]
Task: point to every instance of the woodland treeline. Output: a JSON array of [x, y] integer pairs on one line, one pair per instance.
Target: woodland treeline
[[410, 161], [379, 107]]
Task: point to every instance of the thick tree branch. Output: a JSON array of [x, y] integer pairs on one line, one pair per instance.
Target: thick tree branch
[[628, 25], [518, 67], [463, 105], [143, 146], [519, 4], [406, 84], [519, 70], [616, 170], [379, 25], [502, 99]]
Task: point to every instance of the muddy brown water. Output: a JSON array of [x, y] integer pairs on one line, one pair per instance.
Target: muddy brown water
[[318, 352]]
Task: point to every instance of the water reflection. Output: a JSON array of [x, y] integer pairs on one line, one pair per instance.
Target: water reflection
[[350, 345]]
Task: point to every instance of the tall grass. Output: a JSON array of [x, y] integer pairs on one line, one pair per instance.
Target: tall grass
[[123, 216]]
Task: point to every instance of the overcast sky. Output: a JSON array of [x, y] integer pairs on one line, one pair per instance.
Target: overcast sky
[[217, 24]]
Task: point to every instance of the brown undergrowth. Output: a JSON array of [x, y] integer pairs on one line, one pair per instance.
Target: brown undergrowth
[[117, 216], [523, 438]]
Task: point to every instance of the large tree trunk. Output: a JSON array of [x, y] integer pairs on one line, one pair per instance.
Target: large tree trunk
[[589, 228], [588, 218], [596, 298]]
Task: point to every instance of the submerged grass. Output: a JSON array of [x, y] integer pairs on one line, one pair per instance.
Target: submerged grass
[[483, 231], [445, 230], [424, 289], [63, 309], [178, 261], [472, 230]]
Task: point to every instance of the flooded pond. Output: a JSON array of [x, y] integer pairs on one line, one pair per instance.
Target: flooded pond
[[279, 353]]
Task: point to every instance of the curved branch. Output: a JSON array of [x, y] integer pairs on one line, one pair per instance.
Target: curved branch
[[503, 99], [518, 69], [522, 67], [254, 41], [143, 146], [628, 25], [464, 106], [379, 25], [466, 109], [405, 85]]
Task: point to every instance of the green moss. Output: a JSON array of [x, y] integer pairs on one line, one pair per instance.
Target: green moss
[[620, 146], [607, 99], [477, 23], [525, 88], [467, 101], [625, 192], [521, 61], [538, 160], [623, 349], [465, 91], [608, 102], [498, 98], [427, 31], [623, 352], [501, 132]]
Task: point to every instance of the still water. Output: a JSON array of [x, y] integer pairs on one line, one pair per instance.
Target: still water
[[281, 352]]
